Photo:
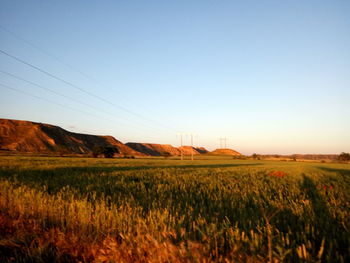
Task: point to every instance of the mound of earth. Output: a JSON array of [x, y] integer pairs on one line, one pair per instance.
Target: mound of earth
[[154, 149], [201, 150], [32, 137], [225, 152], [187, 150]]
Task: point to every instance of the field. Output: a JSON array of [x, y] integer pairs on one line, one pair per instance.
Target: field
[[159, 210]]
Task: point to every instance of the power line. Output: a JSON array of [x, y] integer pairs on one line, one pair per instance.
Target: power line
[[55, 103], [62, 95], [46, 53], [78, 88], [49, 54], [223, 142], [181, 134], [192, 150], [47, 89], [68, 83], [47, 100]]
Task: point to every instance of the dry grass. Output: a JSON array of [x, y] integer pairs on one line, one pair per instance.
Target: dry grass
[[86, 210]]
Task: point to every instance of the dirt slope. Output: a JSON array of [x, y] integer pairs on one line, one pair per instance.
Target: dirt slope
[[225, 152], [201, 150], [187, 150], [154, 149], [32, 137]]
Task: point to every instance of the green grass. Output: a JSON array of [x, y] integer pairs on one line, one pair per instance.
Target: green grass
[[212, 209]]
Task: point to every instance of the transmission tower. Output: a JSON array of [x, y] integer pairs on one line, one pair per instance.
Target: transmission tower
[[223, 142]]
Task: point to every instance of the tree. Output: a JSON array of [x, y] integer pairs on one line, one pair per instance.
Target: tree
[[110, 151], [256, 156], [166, 154], [96, 151], [344, 157], [107, 151]]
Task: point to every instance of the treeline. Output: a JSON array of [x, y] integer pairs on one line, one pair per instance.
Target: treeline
[[344, 157]]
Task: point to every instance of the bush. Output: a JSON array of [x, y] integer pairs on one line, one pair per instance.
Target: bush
[[110, 151], [96, 151], [256, 156], [166, 154], [107, 151], [344, 157]]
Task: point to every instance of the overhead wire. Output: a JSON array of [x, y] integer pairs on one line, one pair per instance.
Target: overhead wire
[[59, 104], [45, 99], [15, 35], [67, 82], [65, 96], [79, 88]]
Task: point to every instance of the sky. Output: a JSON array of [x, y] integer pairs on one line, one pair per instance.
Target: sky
[[270, 76]]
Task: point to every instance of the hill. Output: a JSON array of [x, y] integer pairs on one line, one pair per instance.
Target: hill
[[154, 149], [201, 150], [187, 150], [225, 152], [32, 137]]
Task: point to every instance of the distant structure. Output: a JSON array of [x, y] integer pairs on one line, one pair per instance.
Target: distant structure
[[223, 142], [180, 134]]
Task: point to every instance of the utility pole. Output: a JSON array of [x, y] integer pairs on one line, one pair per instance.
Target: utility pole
[[191, 146], [192, 149], [223, 142], [181, 134], [182, 156]]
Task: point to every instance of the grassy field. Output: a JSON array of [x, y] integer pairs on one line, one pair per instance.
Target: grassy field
[[157, 210]]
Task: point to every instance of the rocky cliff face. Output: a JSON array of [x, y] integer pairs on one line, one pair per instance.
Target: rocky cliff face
[[32, 137]]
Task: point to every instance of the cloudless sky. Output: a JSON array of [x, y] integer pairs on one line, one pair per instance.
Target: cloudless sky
[[271, 76]]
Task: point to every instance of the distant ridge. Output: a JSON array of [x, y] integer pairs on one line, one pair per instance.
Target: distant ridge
[[154, 149], [33, 137], [19, 136], [187, 150], [164, 149], [225, 152]]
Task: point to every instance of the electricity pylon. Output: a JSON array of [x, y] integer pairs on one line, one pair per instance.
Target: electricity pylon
[[192, 150], [181, 134], [223, 140]]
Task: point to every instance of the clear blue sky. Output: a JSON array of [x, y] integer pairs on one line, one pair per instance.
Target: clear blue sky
[[272, 76]]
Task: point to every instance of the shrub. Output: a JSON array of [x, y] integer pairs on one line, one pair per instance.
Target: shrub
[[107, 151], [166, 155], [344, 157], [256, 156]]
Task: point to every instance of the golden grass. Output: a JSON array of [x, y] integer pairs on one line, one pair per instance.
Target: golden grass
[[87, 210]]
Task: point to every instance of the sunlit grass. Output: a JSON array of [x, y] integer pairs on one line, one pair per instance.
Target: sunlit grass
[[157, 210]]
